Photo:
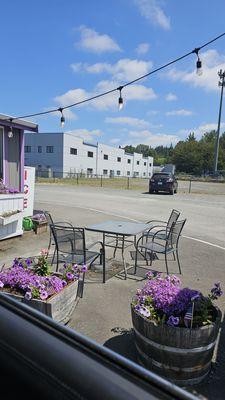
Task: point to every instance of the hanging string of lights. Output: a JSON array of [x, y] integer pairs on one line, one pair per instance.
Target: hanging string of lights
[[199, 72]]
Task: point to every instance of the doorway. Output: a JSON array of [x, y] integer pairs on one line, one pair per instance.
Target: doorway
[[14, 149]]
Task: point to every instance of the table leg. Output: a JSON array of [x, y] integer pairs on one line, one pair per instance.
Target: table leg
[[124, 262]]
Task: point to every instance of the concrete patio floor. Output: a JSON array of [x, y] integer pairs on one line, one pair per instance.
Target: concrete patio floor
[[103, 314]]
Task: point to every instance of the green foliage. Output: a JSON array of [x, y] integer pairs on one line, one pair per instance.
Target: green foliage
[[190, 156]]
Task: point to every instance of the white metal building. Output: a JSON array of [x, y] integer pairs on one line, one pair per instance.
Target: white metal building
[[66, 153]]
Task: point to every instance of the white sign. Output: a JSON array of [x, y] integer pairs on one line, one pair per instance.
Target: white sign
[[28, 203]]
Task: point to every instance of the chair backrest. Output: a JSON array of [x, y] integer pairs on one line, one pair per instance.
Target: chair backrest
[[48, 217], [173, 218], [69, 240], [174, 233]]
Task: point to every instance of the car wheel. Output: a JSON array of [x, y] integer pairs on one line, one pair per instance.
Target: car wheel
[[171, 191], [151, 191], [175, 191]]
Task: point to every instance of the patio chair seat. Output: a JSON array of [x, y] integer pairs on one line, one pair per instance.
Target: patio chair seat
[[156, 247], [78, 258]]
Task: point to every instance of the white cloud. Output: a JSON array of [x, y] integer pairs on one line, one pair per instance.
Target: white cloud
[[151, 10], [181, 112], [95, 42], [85, 134], [135, 122], [201, 129], [115, 140], [123, 70], [170, 97], [151, 139], [152, 112], [76, 67], [142, 48], [212, 62], [110, 101]]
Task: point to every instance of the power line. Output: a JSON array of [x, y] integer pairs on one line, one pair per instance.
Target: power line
[[60, 109]]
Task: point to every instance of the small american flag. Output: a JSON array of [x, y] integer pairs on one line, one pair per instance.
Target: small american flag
[[189, 316]]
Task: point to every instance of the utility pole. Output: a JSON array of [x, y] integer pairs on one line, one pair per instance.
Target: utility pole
[[216, 150]]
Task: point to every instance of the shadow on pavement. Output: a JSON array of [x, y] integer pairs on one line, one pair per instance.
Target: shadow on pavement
[[123, 343]]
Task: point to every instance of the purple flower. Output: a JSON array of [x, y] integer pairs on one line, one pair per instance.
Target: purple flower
[[216, 291], [28, 295], [43, 295], [69, 276], [173, 321], [84, 268]]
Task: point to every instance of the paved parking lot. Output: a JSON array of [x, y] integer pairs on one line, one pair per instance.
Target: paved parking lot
[[104, 312]]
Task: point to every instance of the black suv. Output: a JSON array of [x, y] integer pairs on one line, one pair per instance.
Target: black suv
[[163, 182]]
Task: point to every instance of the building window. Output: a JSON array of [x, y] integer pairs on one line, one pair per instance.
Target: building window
[[119, 160], [39, 166], [128, 172], [143, 173], [105, 172], [73, 151], [136, 173], [145, 164], [106, 157], [48, 166], [149, 174], [118, 172], [27, 149], [150, 164], [39, 149], [49, 149], [89, 171], [128, 161], [138, 162], [90, 154]]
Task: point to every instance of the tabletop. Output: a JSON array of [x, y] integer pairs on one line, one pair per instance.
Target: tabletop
[[119, 227]]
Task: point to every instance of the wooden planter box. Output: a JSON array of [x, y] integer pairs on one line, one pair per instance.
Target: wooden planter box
[[40, 226], [11, 218], [60, 306], [181, 355]]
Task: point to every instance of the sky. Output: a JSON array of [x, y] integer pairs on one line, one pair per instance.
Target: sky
[[55, 53]]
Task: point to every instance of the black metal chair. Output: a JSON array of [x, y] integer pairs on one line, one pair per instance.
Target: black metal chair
[[50, 221], [70, 247], [156, 224], [169, 244]]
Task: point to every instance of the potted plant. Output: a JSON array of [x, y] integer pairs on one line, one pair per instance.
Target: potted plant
[[175, 328], [32, 282]]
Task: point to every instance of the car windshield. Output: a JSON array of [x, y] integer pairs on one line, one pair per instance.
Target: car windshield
[[160, 176]]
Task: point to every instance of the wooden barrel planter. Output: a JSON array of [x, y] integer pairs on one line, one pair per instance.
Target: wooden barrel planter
[[181, 355], [60, 306]]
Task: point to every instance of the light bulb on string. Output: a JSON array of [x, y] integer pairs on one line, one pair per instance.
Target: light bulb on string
[[10, 131], [62, 119], [120, 101], [199, 70]]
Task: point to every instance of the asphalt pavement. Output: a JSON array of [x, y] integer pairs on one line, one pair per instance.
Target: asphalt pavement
[[104, 312]]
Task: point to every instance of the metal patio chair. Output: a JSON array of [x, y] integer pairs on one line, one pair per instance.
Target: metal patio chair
[[157, 224], [70, 247], [169, 244], [50, 221]]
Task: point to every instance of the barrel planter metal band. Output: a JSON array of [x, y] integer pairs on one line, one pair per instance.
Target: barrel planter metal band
[[181, 355]]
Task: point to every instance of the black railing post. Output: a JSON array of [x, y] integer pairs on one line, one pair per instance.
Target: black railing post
[[77, 179], [189, 191], [101, 180], [128, 183]]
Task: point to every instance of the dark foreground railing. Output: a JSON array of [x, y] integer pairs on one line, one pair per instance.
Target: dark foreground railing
[[42, 359]]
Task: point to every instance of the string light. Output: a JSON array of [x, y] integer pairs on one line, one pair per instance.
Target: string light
[[10, 131], [120, 101], [62, 119], [199, 71]]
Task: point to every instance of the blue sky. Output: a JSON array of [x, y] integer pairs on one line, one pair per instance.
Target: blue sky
[[55, 53]]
